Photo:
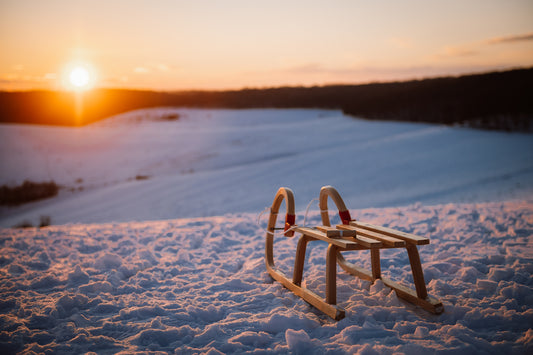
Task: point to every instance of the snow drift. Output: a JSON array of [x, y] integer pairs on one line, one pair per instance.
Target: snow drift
[[200, 285]]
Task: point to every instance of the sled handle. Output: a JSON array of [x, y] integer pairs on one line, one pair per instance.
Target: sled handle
[[330, 191], [290, 217]]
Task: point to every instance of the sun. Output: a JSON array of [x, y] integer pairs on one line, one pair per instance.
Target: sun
[[79, 77]]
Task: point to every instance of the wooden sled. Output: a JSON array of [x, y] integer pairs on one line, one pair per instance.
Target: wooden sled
[[351, 235]]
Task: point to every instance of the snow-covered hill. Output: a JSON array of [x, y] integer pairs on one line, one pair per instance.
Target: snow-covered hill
[[212, 162], [172, 260]]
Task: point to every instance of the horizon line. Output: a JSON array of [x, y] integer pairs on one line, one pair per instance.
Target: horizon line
[[244, 88]]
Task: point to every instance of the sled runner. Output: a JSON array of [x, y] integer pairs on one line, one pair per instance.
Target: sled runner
[[350, 235]]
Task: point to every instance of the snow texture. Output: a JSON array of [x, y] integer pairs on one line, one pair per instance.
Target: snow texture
[[200, 285], [189, 275]]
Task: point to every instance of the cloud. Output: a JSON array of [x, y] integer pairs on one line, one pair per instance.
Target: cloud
[[319, 74], [27, 79], [161, 67], [511, 39], [115, 80], [157, 67], [359, 71], [141, 70], [306, 69], [462, 51], [15, 81], [475, 48]]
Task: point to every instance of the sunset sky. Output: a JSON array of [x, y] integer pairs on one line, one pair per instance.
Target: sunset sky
[[231, 44]]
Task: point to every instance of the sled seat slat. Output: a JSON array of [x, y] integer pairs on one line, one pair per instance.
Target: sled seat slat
[[341, 243], [336, 233], [385, 239], [407, 237], [368, 242]]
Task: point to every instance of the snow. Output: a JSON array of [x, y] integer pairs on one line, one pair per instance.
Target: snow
[[213, 162], [175, 263], [197, 285]]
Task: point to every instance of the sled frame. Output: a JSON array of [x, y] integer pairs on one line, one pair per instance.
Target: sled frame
[[351, 235]]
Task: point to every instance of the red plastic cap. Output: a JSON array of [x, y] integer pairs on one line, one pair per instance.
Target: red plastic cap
[[345, 217], [290, 220]]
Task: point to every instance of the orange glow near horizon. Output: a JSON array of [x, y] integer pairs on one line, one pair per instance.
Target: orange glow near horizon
[[180, 45]]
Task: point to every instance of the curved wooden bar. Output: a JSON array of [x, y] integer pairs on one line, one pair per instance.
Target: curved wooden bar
[[330, 191], [286, 194]]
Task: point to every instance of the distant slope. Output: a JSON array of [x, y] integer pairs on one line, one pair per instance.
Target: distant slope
[[499, 100], [213, 162]]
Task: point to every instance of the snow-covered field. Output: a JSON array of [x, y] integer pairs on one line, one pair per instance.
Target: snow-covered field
[[212, 162], [173, 259]]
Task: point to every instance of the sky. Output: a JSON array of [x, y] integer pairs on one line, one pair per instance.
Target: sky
[[233, 44]]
